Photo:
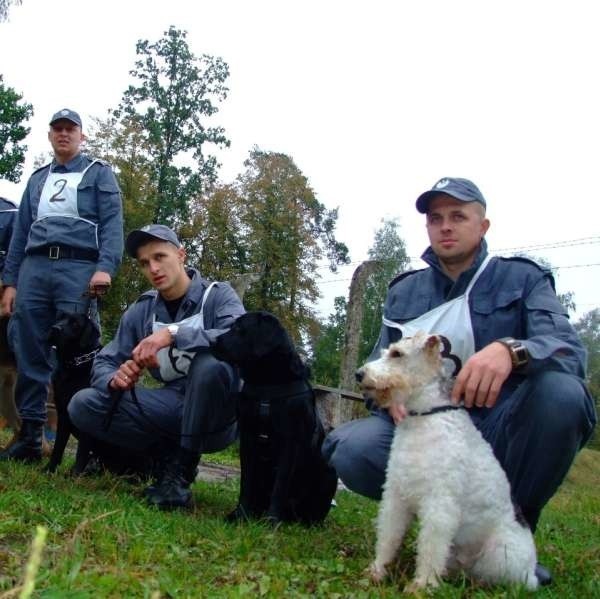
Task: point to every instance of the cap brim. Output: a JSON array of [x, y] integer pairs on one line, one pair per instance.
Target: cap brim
[[423, 200], [65, 118]]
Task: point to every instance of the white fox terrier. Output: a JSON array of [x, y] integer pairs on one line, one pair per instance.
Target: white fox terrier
[[442, 470]]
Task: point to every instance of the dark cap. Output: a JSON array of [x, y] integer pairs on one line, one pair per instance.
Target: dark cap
[[66, 114], [139, 237], [461, 189]]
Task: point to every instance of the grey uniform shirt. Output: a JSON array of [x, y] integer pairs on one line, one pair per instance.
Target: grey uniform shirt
[[221, 309], [100, 227]]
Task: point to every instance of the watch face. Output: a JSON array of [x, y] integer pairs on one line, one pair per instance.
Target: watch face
[[521, 354]]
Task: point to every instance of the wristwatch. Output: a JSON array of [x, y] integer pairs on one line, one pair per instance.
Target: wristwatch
[[518, 352], [173, 329]]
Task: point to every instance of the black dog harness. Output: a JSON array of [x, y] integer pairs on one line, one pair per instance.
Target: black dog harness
[[265, 395]]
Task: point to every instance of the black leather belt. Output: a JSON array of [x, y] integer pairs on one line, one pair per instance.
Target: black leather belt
[[64, 252]]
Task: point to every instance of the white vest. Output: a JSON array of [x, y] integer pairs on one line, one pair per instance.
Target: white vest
[[451, 320], [175, 363]]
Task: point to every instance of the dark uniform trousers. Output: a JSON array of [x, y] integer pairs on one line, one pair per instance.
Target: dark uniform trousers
[[45, 288], [202, 417]]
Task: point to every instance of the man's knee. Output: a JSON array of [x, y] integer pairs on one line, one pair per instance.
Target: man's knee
[[86, 409], [359, 451], [206, 370], [559, 404]]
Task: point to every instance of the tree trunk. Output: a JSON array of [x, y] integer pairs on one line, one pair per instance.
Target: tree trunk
[[343, 409]]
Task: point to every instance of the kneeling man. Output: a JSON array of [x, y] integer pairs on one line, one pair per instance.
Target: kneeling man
[[168, 331]]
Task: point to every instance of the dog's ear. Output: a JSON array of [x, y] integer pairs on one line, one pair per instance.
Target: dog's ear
[[90, 334], [432, 345], [269, 335]]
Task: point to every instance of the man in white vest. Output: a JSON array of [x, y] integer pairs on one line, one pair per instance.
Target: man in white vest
[[519, 365], [167, 331], [66, 246]]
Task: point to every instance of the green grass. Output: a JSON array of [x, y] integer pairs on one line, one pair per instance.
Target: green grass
[[104, 542]]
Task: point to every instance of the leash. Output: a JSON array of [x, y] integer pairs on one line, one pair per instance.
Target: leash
[[436, 410], [115, 400]]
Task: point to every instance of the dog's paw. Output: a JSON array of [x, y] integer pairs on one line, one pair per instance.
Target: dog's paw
[[49, 468], [417, 585], [377, 572], [239, 514]]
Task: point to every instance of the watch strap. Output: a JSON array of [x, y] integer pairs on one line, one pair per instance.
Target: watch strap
[[519, 355]]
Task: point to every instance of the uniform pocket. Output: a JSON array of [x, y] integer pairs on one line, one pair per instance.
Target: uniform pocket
[[497, 315]]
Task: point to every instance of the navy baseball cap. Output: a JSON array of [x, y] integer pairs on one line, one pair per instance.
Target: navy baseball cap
[[139, 237], [66, 114], [461, 189]]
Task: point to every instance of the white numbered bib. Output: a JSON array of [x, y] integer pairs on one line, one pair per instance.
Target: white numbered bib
[[59, 194]]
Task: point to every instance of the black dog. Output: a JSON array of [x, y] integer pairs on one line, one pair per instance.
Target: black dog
[[76, 338], [284, 478]]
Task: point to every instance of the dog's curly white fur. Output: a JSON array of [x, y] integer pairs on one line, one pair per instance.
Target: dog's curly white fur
[[443, 471]]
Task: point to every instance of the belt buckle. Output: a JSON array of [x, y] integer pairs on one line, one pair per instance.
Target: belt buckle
[[54, 252]]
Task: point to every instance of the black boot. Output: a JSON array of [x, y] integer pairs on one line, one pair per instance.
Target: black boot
[[172, 489], [28, 447], [164, 452]]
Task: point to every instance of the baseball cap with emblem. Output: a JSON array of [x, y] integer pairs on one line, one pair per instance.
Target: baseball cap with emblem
[[66, 114], [139, 237], [461, 189]]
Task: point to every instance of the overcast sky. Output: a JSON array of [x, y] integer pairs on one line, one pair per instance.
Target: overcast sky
[[375, 101]]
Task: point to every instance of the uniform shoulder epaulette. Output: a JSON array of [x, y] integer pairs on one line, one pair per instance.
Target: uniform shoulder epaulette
[[403, 275], [529, 261], [37, 170], [13, 204], [98, 160], [147, 295]]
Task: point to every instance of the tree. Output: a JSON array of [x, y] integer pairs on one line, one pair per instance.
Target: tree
[[287, 231], [123, 144], [390, 251], [4, 6], [214, 239], [12, 132], [588, 327], [329, 345], [173, 97]]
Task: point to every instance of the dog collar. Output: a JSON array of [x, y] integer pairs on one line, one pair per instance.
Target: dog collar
[[436, 410]]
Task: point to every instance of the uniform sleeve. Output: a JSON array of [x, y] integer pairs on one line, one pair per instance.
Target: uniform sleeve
[[16, 251], [551, 340], [110, 222], [118, 350], [220, 312]]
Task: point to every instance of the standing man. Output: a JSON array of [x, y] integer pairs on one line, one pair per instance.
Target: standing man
[[66, 247], [168, 331], [520, 364], [8, 213]]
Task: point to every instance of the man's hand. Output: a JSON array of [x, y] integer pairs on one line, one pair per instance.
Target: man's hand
[[481, 378], [99, 284], [126, 377], [397, 412], [144, 353], [7, 305]]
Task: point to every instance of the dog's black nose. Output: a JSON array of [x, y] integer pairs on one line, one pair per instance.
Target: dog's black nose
[[359, 375]]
